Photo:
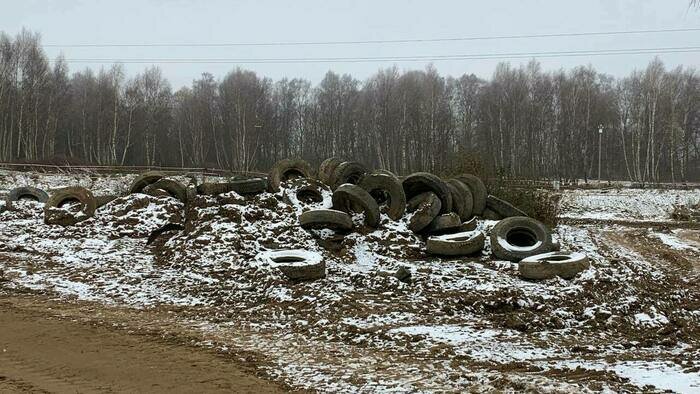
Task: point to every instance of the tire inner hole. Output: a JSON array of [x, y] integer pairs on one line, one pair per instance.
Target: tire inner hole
[[521, 237], [70, 204], [382, 198], [292, 174], [171, 193], [159, 191], [354, 178], [309, 196], [288, 259], [459, 239], [27, 197], [557, 258]]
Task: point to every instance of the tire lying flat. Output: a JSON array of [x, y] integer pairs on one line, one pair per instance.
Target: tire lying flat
[[303, 192], [443, 223], [326, 218], [548, 265], [297, 264], [458, 244]]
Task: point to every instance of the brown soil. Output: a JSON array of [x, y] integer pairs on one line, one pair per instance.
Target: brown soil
[[630, 223], [654, 250], [45, 348], [691, 237]]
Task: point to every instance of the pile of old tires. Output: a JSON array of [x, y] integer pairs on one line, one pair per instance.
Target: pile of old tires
[[444, 212], [70, 205]]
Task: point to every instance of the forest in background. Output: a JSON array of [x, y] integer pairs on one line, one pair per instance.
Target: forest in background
[[523, 122]]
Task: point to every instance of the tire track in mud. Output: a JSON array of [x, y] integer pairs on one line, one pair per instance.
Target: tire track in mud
[[650, 248], [40, 376], [8, 385]]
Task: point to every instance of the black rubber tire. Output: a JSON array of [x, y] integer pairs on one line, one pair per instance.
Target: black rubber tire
[[192, 176], [425, 207], [447, 222], [173, 188], [347, 172], [478, 189], [458, 244], [306, 191], [163, 229], [326, 218], [387, 172], [503, 208], [213, 189], [488, 214], [548, 265], [326, 169], [421, 182], [518, 237], [249, 186], [298, 264], [391, 187], [287, 169], [469, 225], [83, 195], [462, 201], [105, 199], [27, 191], [349, 197], [144, 180], [155, 192]]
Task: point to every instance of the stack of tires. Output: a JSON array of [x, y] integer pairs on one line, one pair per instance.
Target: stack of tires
[[444, 212]]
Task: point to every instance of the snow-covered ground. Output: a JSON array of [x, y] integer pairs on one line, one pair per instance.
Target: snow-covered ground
[[630, 322], [625, 204]]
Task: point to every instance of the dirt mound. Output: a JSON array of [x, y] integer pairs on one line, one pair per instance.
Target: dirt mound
[[456, 322]]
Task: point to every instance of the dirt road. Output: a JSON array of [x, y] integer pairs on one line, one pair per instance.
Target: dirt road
[[42, 353]]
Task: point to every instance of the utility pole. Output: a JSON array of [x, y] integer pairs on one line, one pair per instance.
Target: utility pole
[[600, 144]]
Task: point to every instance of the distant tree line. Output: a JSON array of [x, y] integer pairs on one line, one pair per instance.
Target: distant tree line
[[523, 122]]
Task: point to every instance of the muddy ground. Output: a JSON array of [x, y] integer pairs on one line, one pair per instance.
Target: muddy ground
[[629, 323], [47, 345]]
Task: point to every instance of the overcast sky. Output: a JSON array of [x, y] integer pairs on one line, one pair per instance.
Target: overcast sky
[[67, 22]]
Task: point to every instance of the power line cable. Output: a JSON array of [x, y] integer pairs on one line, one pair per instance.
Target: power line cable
[[415, 58], [365, 42]]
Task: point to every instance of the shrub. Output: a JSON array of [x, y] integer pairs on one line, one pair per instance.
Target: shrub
[[540, 204]]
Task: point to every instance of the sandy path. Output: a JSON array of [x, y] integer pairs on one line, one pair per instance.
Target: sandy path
[[39, 353]]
